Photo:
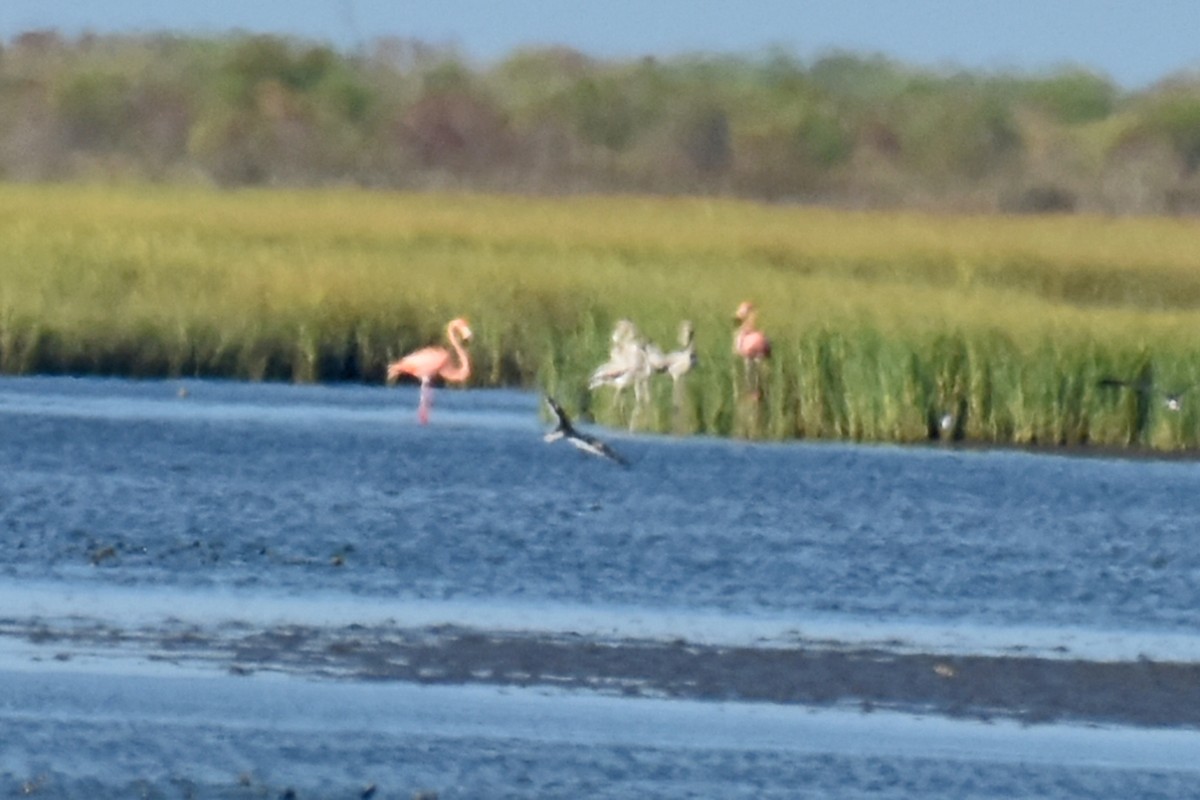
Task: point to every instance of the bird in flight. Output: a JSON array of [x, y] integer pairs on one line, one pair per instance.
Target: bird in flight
[[589, 444], [1172, 400]]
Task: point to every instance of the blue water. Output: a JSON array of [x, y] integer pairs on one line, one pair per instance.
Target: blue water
[[241, 739], [260, 486], [303, 499]]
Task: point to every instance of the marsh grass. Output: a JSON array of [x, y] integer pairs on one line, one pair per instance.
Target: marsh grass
[[883, 324]]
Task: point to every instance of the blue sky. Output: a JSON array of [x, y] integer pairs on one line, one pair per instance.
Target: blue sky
[[1136, 42]]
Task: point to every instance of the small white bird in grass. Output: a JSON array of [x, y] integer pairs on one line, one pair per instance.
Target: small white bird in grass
[[946, 425], [589, 444]]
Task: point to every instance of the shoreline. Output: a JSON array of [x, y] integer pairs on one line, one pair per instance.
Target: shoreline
[[181, 392]]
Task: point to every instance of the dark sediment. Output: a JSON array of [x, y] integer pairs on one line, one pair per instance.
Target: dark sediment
[[1031, 689]]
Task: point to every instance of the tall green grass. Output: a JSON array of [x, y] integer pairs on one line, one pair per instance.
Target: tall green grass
[[882, 324]]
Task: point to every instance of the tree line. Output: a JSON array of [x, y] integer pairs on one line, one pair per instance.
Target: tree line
[[860, 131]]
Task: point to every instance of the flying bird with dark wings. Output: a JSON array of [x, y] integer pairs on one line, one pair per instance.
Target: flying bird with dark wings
[[1173, 400], [585, 442]]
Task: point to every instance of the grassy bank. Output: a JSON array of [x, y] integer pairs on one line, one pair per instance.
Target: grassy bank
[[882, 323]]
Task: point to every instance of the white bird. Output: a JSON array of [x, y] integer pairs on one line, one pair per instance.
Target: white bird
[[676, 363], [628, 365], [589, 444], [624, 356]]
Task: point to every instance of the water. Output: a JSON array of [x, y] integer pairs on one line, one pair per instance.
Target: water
[[138, 520], [260, 486]]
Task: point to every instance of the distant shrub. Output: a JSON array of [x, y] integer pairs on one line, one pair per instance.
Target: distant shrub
[[1176, 118], [705, 139], [840, 129], [455, 130], [966, 133], [94, 107], [1074, 96]]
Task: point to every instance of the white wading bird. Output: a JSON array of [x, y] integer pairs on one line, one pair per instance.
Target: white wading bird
[[628, 365], [676, 363]]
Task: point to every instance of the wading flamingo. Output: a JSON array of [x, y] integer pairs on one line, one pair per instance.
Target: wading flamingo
[[623, 358], [676, 363], [628, 365], [749, 342], [431, 363], [589, 444]]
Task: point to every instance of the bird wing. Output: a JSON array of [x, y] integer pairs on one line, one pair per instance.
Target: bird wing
[[656, 359], [557, 410], [605, 373], [625, 362], [612, 372], [752, 344], [423, 363], [1137, 386], [590, 444]]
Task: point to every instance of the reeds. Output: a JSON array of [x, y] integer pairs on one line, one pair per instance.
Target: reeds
[[884, 325]]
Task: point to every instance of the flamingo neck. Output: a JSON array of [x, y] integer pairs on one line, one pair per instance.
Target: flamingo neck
[[749, 326], [746, 329], [462, 370]]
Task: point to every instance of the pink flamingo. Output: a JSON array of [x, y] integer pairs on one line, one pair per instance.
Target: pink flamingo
[[430, 363], [750, 343]]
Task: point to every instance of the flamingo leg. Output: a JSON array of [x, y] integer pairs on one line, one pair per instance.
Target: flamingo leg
[[641, 394], [753, 379], [426, 402], [678, 420]]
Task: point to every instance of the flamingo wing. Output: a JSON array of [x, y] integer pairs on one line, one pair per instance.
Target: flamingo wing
[[423, 364], [753, 344], [617, 371]]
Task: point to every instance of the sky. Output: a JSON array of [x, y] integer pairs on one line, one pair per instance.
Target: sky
[[1134, 42]]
